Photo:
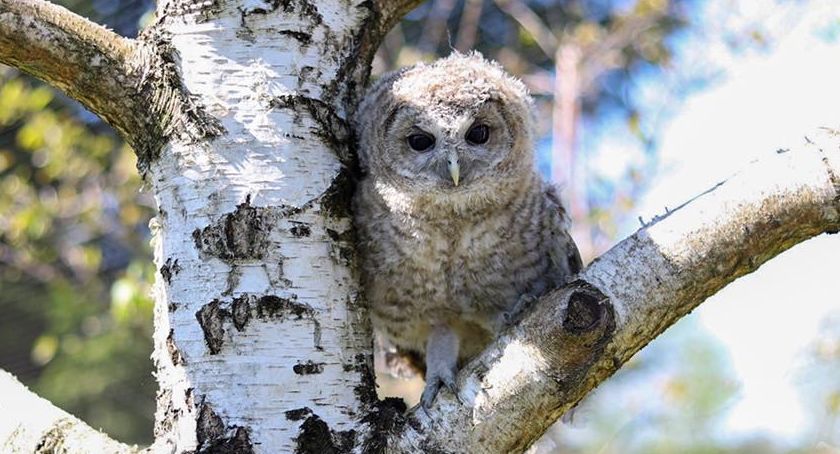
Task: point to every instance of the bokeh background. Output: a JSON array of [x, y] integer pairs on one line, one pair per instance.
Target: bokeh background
[[641, 104]]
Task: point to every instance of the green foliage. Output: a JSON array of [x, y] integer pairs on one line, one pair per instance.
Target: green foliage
[[75, 265], [819, 380]]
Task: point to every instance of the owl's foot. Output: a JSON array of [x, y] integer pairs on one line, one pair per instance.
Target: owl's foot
[[510, 317], [433, 385], [441, 362]]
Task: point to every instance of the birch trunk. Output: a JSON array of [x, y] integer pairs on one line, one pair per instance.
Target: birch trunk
[[261, 341]]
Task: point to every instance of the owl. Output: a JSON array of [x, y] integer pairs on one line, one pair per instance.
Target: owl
[[457, 231]]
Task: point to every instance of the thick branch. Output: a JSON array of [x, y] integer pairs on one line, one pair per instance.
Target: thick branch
[[30, 424], [580, 335], [392, 11], [87, 61]]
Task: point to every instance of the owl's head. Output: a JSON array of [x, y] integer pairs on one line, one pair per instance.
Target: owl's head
[[446, 127]]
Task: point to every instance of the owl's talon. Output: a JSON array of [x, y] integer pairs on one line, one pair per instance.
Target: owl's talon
[[429, 394], [509, 318], [433, 385]]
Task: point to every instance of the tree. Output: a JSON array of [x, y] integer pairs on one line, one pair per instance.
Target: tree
[[239, 115]]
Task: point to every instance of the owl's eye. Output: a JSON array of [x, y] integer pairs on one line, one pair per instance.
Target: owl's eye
[[478, 134], [420, 142]]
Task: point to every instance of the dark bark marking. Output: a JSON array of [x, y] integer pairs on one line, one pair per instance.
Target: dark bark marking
[[303, 38], [366, 389], [163, 425], [189, 398], [243, 308], [174, 353], [241, 313], [173, 110], [209, 425], [337, 199], [275, 306], [240, 235], [214, 437], [333, 129], [246, 33], [316, 437], [53, 439], [169, 269], [300, 230], [308, 74], [271, 5], [308, 368], [203, 10], [585, 309], [210, 318], [587, 327], [305, 9], [354, 69], [298, 413], [386, 418], [343, 244], [232, 280], [239, 442]]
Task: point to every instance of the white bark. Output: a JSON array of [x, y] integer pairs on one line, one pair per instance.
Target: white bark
[[581, 334], [30, 424], [245, 234]]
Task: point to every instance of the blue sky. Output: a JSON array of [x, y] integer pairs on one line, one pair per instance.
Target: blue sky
[[762, 101]]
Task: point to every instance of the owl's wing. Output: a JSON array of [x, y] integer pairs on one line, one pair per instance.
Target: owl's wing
[[564, 252], [572, 255]]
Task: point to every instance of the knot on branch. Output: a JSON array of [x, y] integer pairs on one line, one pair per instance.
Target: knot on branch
[[587, 307], [583, 323]]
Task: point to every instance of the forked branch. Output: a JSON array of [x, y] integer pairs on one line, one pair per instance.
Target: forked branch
[[578, 336]]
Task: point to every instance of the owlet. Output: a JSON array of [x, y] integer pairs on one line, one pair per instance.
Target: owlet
[[457, 230]]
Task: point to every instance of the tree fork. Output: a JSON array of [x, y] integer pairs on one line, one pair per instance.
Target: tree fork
[[650, 280]]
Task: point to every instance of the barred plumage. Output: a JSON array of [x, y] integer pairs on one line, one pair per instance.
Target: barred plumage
[[454, 236]]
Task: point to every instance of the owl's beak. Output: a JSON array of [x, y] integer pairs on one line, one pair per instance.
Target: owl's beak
[[454, 168]]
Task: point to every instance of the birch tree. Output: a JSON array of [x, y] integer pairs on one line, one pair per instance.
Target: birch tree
[[239, 112]]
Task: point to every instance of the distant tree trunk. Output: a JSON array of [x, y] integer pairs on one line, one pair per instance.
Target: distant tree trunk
[[238, 112]]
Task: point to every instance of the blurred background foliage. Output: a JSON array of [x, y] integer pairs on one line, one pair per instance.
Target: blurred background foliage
[[75, 265]]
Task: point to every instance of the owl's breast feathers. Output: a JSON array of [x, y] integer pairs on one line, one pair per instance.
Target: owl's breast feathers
[[425, 262]]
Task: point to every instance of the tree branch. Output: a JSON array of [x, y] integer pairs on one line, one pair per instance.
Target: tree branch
[[29, 423], [579, 335], [87, 61], [532, 23], [392, 11]]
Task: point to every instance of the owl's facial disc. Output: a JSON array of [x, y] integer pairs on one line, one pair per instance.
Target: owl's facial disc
[[457, 145]]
